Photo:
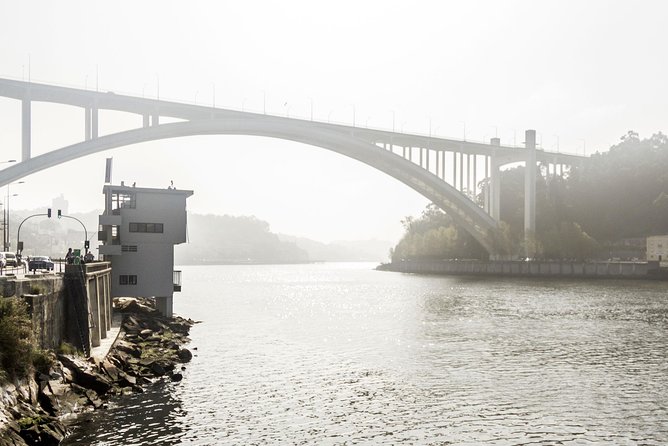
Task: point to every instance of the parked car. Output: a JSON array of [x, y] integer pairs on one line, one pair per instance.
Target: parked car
[[10, 259], [40, 262]]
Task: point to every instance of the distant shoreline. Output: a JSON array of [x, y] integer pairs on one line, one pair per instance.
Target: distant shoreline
[[537, 269], [253, 262]]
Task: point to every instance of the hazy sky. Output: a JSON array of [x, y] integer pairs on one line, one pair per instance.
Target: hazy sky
[[581, 73]]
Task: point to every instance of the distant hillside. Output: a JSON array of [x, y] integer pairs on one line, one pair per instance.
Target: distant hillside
[[212, 239], [220, 239], [342, 251]]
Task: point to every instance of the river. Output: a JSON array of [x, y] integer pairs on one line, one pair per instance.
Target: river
[[342, 354]]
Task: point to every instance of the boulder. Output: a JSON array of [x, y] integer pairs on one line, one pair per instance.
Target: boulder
[[110, 369], [184, 355], [176, 377], [85, 375], [157, 369], [126, 347]]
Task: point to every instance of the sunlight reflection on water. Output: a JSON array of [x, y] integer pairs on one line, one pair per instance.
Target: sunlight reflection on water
[[339, 353]]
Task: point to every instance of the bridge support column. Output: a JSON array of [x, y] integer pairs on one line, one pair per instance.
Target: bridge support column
[[495, 183], [87, 129], [461, 172], [443, 165], [475, 175], [145, 120], [454, 170], [487, 191], [26, 130], [530, 193], [94, 119]]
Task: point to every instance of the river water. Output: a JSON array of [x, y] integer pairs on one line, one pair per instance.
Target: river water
[[342, 354]]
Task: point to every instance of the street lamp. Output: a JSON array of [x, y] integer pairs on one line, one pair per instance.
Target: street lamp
[[6, 241]]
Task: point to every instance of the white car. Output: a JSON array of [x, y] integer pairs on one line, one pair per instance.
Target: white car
[[10, 259]]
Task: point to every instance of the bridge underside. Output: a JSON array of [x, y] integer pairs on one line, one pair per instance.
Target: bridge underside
[[416, 160], [462, 210]]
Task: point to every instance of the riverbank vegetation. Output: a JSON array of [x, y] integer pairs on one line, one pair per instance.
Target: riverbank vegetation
[[603, 208], [19, 353], [42, 388]]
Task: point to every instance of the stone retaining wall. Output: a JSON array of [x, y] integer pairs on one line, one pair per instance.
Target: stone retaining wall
[[627, 270], [75, 307]]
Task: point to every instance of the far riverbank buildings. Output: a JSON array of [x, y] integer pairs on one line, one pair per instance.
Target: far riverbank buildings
[[139, 228], [657, 248]]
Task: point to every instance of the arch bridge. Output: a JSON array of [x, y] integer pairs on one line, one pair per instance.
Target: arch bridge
[[445, 171]]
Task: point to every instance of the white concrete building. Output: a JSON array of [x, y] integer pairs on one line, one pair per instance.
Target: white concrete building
[[657, 248], [139, 229]]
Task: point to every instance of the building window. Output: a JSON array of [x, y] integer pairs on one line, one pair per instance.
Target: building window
[[122, 200], [147, 227], [129, 248], [127, 279]]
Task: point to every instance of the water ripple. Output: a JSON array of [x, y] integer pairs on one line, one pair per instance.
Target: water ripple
[[339, 354]]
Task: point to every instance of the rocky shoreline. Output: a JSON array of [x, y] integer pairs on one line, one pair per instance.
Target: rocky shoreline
[[149, 348]]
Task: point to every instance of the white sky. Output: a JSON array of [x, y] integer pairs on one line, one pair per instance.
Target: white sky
[[579, 72]]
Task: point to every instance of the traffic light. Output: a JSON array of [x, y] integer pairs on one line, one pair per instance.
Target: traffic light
[[87, 244], [48, 212], [60, 213]]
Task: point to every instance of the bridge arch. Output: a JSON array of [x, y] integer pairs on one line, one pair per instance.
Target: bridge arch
[[462, 210]]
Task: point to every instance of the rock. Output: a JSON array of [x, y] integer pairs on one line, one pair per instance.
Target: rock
[[157, 369], [185, 355], [145, 333], [125, 380], [93, 399], [126, 347], [85, 375], [41, 430], [49, 402], [176, 377], [110, 369]]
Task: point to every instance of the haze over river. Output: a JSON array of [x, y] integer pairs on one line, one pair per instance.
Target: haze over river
[[343, 354]]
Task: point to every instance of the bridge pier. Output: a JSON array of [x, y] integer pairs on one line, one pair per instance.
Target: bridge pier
[[94, 121], [91, 130], [26, 128], [87, 126], [530, 193], [460, 172], [495, 181], [475, 175]]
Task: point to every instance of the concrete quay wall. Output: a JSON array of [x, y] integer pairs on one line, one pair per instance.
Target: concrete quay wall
[[75, 307], [625, 270], [46, 298]]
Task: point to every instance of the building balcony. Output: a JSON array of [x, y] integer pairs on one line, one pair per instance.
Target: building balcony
[[111, 220], [110, 250]]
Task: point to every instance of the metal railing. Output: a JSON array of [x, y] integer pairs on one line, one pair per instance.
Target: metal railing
[[176, 280]]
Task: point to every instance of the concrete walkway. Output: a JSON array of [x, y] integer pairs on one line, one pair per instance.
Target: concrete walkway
[[100, 352]]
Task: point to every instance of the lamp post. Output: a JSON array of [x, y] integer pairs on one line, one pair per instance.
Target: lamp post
[[5, 223], [6, 241]]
